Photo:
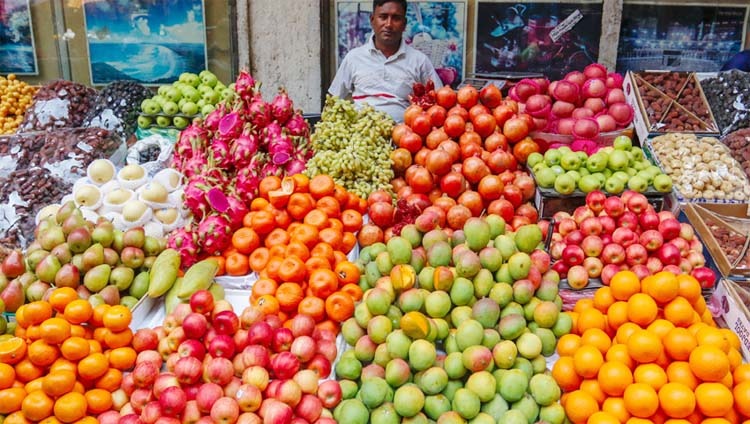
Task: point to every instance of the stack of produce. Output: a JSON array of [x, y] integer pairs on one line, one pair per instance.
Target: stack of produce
[[581, 105], [16, 97], [225, 156], [58, 104], [724, 93], [296, 237], [612, 169], [99, 262], [648, 350], [163, 280], [178, 103], [353, 147], [225, 368], [67, 360], [739, 146], [116, 107], [610, 234], [489, 302]]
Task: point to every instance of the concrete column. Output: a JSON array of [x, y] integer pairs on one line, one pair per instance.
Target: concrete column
[[611, 20]]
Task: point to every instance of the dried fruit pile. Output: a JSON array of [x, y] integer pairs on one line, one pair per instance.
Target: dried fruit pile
[[649, 350]]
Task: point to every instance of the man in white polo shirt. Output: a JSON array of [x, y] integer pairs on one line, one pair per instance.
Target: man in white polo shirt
[[382, 72]]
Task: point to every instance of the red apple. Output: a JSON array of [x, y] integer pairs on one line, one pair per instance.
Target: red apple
[[674, 269], [188, 370], [151, 412], [654, 265], [289, 392], [614, 207], [606, 238], [540, 260], [556, 249], [608, 272], [208, 394], [304, 348], [593, 266], [628, 220], [256, 376], [591, 226], [174, 338], [192, 348], [669, 228], [260, 333], [636, 254], [608, 224], [687, 231], [566, 226], [320, 364], [202, 302], [624, 237], [560, 215], [145, 339], [256, 355], [666, 215], [276, 412], [222, 346], [696, 259], [581, 213], [307, 380], [592, 246], [282, 340], [573, 255], [574, 237], [595, 201], [218, 370], [668, 254], [641, 271], [248, 398], [285, 365], [226, 322], [309, 408], [329, 393], [652, 240], [172, 401], [560, 267], [648, 221], [705, 276], [682, 245], [225, 411], [240, 339], [613, 253], [327, 348], [637, 203], [578, 277], [685, 266]]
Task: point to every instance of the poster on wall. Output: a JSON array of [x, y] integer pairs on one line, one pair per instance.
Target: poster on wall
[[17, 50], [151, 42], [680, 37], [536, 38], [436, 28]]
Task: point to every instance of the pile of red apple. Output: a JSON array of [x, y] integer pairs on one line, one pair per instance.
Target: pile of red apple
[[611, 234], [582, 104], [225, 368]]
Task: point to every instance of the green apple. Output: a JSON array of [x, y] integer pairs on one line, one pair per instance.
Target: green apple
[[163, 121], [189, 108], [206, 109], [600, 177], [663, 183], [162, 90], [646, 176], [173, 94], [564, 184], [219, 86], [570, 161], [534, 159], [589, 183], [552, 157], [622, 143], [607, 173], [170, 108], [614, 185], [618, 160], [159, 99], [145, 121], [583, 171], [637, 152], [607, 150], [181, 102], [638, 184], [564, 149], [574, 174], [200, 103], [189, 78], [150, 107], [208, 78], [211, 97], [597, 162], [545, 177], [653, 170], [640, 165], [622, 175], [631, 171], [557, 169], [583, 156], [538, 166], [204, 88], [180, 122]]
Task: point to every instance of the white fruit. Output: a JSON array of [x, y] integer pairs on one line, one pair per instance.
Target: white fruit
[[87, 195], [119, 196], [132, 172], [154, 192], [101, 171], [167, 216], [134, 210]]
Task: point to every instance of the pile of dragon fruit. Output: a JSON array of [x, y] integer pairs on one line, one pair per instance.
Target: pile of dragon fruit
[[226, 155]]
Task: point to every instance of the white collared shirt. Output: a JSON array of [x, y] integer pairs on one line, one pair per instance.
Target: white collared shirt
[[384, 83]]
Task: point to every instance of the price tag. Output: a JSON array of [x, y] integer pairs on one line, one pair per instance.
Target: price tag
[[565, 25]]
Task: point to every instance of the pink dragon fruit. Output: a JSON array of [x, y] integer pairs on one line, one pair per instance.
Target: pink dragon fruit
[[297, 126], [230, 125], [259, 112], [192, 138], [245, 85], [244, 148], [216, 233], [219, 151], [211, 121], [271, 168], [246, 183], [237, 210], [282, 107], [281, 149], [195, 197], [183, 241], [194, 165], [295, 166]]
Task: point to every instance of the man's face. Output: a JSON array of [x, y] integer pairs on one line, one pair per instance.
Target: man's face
[[388, 22]]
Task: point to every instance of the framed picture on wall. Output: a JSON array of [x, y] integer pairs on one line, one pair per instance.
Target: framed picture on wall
[[17, 50], [151, 42], [436, 28], [683, 37], [548, 38]]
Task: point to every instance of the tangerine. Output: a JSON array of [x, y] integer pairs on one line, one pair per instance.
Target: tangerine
[[587, 361], [641, 400], [579, 406], [714, 399], [624, 284], [37, 406], [642, 309], [650, 374], [70, 407], [644, 346], [663, 287], [709, 363], [614, 377]]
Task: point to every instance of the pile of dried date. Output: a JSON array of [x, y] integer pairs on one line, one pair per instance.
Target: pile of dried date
[[731, 242], [116, 107], [673, 102], [59, 104], [724, 93], [739, 145]]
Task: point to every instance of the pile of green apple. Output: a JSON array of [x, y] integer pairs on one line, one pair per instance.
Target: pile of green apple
[[453, 326], [612, 169], [177, 103]]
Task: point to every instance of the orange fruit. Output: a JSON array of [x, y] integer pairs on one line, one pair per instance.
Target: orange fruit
[[115, 340], [642, 309], [563, 371], [597, 338], [78, 311], [591, 318], [709, 363], [602, 418], [37, 406], [117, 318], [26, 371], [592, 387], [603, 299], [93, 366], [35, 313], [650, 374], [689, 288], [98, 401], [614, 377], [616, 407], [12, 350], [644, 346], [679, 311], [587, 360], [741, 373], [635, 420], [617, 315], [33, 385], [110, 381], [624, 284], [663, 287], [70, 407], [732, 338], [583, 304], [55, 330], [680, 372], [60, 297], [568, 344], [677, 400], [679, 343], [579, 406], [97, 316], [625, 331], [11, 399], [75, 348], [660, 327], [714, 337], [741, 393], [619, 353], [7, 376], [58, 383], [641, 400], [714, 399], [42, 354], [122, 358]]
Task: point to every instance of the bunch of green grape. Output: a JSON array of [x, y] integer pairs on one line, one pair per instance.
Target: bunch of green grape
[[353, 146]]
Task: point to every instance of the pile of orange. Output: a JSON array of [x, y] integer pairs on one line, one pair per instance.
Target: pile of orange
[[649, 352], [296, 237], [65, 360]]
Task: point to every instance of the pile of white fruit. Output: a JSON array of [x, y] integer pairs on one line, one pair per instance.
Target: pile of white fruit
[[128, 197]]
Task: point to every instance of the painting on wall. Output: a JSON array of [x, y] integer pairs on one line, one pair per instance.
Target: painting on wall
[[151, 42], [17, 50], [548, 38], [697, 38], [436, 28]]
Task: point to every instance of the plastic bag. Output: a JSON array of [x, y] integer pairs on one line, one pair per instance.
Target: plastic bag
[[59, 104], [153, 152], [116, 107]]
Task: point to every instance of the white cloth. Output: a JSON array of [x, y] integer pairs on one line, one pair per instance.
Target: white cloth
[[384, 83]]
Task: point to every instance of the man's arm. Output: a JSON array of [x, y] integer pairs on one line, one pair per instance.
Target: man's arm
[[342, 84]]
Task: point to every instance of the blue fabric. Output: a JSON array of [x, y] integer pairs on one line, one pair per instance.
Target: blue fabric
[[739, 61]]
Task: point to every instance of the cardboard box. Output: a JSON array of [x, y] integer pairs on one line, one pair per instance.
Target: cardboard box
[[641, 121], [699, 215], [733, 312]]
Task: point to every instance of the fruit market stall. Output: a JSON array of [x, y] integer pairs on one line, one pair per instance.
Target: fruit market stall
[[203, 253]]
